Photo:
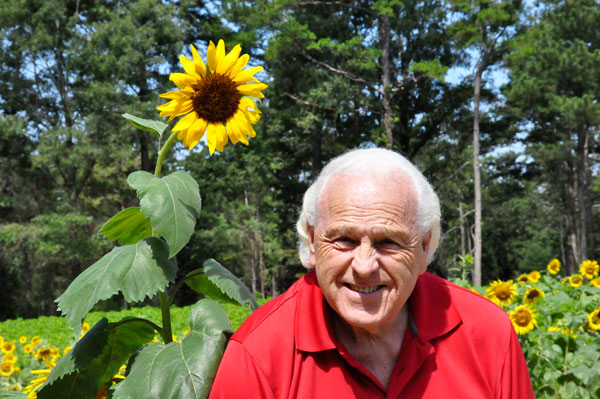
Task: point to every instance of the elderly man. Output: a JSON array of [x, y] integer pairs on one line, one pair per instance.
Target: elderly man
[[368, 321]]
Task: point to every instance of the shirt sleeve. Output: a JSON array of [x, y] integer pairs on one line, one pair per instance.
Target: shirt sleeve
[[515, 382], [239, 376]]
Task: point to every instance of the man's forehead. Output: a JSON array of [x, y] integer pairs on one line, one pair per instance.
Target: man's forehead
[[369, 190]]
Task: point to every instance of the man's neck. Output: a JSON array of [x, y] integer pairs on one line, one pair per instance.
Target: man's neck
[[375, 348]]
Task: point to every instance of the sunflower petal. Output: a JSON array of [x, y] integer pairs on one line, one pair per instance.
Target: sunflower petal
[[236, 131], [180, 95], [247, 74], [211, 137], [220, 53], [211, 57], [200, 67], [182, 80], [185, 122], [189, 67], [196, 132], [222, 138], [239, 65], [230, 59]]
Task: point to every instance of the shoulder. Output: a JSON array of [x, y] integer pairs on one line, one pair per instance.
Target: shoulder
[[275, 317], [477, 313]]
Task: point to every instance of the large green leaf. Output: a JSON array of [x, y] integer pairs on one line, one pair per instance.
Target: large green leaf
[[181, 370], [138, 271], [172, 204], [128, 226], [95, 358], [148, 125], [229, 284]]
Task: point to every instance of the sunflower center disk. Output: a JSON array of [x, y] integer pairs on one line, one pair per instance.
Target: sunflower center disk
[[523, 318], [216, 98], [502, 293]]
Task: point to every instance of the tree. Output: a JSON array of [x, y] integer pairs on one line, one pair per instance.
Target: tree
[[485, 27], [555, 87]]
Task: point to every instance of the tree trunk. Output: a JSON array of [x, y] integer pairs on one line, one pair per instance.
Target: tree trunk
[[386, 80], [584, 200], [477, 175]]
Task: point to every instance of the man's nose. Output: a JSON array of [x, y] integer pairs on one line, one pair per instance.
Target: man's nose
[[364, 262]]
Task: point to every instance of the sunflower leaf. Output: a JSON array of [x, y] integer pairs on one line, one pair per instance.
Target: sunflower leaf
[[138, 271], [95, 358], [229, 284], [192, 363], [128, 226], [148, 125], [172, 203]]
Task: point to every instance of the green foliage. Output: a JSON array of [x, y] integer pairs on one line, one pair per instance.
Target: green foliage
[[192, 363], [172, 204], [138, 271], [128, 226], [95, 358], [148, 125]]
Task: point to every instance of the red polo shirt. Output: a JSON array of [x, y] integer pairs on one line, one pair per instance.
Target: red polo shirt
[[457, 345]]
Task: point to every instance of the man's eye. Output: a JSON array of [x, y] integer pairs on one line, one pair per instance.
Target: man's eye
[[388, 244], [345, 242]]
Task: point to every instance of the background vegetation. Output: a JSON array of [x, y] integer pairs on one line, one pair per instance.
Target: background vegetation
[[341, 74]]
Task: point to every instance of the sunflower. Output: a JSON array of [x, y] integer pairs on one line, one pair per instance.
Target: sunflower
[[31, 389], [501, 293], [36, 340], [554, 266], [533, 294], [8, 347], [523, 319], [595, 282], [534, 276], [213, 99], [523, 278], [7, 368], [575, 280], [43, 353], [22, 339], [11, 357], [28, 348], [589, 269], [594, 319]]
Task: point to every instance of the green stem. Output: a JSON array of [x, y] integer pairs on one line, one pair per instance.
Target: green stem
[[165, 302], [163, 152], [154, 326], [179, 284], [165, 309]]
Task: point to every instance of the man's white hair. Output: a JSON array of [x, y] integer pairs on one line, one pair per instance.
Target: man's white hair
[[365, 161]]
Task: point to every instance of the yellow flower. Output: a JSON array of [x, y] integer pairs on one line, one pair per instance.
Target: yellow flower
[[501, 293], [533, 294], [576, 280], [10, 357], [55, 353], [595, 282], [213, 99], [8, 347], [43, 353], [7, 368], [523, 319], [22, 339], [594, 319], [1, 340], [553, 328], [35, 384], [28, 348], [523, 278], [36, 340], [534, 276], [554, 266], [589, 269], [67, 349]]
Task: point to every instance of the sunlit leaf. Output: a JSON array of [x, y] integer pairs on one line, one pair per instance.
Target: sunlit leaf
[[148, 125], [128, 227], [172, 203], [138, 271]]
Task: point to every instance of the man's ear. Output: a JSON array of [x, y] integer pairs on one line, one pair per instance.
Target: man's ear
[[311, 244]]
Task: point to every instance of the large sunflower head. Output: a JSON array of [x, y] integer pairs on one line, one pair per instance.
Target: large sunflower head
[[534, 276], [594, 319], [523, 278], [502, 292], [575, 280], [214, 98], [523, 319], [533, 294], [589, 269], [554, 266]]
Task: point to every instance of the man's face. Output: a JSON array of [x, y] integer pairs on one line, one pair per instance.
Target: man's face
[[366, 247]]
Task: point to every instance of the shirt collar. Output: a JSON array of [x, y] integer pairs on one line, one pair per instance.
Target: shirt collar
[[433, 314]]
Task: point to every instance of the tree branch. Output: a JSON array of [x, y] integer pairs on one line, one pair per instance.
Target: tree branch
[[347, 74], [307, 103]]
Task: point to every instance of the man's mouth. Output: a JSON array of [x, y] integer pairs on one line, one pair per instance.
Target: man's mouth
[[364, 290]]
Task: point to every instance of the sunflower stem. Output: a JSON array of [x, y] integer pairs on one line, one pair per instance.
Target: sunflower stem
[[163, 152], [165, 309]]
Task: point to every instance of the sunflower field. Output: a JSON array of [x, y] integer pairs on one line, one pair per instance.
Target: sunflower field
[[557, 319]]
